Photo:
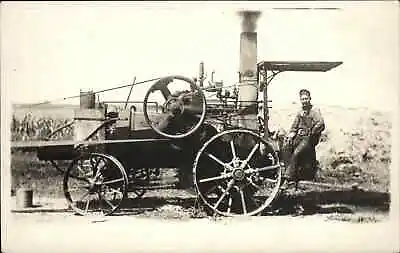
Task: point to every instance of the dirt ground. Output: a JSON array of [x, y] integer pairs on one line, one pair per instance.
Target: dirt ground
[[169, 225], [59, 232]]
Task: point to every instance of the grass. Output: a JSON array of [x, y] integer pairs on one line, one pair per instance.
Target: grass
[[28, 172]]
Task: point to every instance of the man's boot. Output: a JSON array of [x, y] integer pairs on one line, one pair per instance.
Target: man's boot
[[288, 178]]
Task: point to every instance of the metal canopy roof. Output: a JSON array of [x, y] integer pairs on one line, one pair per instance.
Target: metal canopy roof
[[298, 65]]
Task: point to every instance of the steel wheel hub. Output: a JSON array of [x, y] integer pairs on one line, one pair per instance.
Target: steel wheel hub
[[175, 106], [238, 174]]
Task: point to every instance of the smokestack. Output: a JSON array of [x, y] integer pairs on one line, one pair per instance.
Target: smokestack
[[248, 90], [248, 42]]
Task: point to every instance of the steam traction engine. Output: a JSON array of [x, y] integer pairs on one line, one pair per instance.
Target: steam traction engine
[[212, 133]]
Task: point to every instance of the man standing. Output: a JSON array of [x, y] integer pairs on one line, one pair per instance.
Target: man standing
[[304, 135]]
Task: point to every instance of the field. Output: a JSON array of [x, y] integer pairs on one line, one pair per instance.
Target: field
[[40, 111], [355, 149]]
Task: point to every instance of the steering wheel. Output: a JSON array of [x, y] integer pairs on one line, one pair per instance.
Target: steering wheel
[[183, 111]]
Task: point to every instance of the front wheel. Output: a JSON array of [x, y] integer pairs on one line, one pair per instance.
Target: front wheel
[[95, 184], [237, 173]]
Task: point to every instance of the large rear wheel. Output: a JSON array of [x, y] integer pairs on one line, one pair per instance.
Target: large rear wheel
[[237, 173]]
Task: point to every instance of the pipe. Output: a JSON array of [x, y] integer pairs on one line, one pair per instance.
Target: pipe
[[201, 74]]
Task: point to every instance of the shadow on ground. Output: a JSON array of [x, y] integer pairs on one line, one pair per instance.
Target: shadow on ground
[[330, 201], [309, 202], [290, 203]]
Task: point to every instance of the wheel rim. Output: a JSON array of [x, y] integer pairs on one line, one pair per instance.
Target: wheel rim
[[95, 184], [237, 173], [186, 116]]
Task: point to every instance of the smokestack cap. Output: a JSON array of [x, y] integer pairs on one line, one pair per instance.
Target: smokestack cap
[[249, 20]]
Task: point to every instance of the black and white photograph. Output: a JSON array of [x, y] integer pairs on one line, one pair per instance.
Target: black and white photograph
[[146, 126]]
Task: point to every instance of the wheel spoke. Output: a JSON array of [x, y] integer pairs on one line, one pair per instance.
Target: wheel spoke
[[113, 181], [226, 191], [270, 180], [165, 91], [233, 149], [109, 203], [80, 170], [87, 206], [225, 176], [96, 160], [84, 196], [243, 201], [98, 171], [270, 167], [229, 205], [219, 161], [250, 155]]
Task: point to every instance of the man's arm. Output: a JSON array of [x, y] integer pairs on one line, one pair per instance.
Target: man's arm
[[295, 125], [319, 125]]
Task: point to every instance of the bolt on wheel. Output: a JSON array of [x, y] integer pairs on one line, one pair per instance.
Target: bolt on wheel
[[237, 173], [95, 184]]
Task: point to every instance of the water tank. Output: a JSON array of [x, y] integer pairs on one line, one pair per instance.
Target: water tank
[[87, 99]]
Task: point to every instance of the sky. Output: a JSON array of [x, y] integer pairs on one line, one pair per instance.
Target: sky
[[52, 50]]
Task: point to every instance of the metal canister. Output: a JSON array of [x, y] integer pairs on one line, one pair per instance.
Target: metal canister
[[87, 99], [24, 198]]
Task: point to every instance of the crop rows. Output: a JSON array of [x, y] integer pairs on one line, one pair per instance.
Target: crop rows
[[38, 128]]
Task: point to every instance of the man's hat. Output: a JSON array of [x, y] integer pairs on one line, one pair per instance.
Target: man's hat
[[304, 91]]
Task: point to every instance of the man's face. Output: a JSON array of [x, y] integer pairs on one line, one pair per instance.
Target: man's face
[[305, 99]]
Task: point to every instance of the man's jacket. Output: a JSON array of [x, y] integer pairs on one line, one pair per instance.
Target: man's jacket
[[309, 123]]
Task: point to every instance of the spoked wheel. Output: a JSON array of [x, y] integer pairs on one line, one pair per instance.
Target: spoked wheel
[[95, 184], [237, 173], [183, 107]]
